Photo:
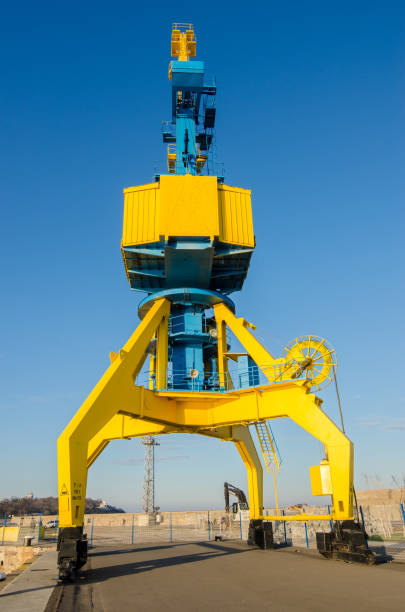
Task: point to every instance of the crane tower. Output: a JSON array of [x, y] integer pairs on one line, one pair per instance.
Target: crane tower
[[187, 243], [149, 477]]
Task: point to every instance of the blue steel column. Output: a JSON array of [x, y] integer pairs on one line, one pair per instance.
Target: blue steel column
[[193, 272], [185, 145]]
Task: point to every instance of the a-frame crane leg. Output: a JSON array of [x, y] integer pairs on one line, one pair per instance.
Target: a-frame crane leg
[[306, 412], [347, 539], [110, 395], [260, 532], [242, 438]]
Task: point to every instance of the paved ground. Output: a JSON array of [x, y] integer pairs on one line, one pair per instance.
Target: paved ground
[[31, 590], [230, 576]]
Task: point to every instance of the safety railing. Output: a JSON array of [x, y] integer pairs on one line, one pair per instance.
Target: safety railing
[[20, 531], [183, 26], [189, 166], [177, 325], [233, 379]]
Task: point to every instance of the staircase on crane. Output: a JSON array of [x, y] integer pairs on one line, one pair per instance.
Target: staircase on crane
[[268, 445]]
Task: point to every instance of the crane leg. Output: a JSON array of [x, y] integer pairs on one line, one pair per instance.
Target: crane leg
[[112, 393], [347, 540], [260, 532]]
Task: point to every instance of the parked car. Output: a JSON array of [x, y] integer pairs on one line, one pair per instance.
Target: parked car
[[52, 524]]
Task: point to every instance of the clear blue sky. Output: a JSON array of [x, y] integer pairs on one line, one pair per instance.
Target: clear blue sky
[[309, 97]]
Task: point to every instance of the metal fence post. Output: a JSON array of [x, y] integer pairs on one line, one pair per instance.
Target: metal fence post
[[403, 514], [171, 528], [132, 530], [306, 529], [240, 525], [4, 527], [362, 522], [91, 532], [285, 529], [330, 522], [306, 533], [56, 528], [209, 527], [39, 526]]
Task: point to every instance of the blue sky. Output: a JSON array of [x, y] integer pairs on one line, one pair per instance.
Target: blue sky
[[308, 117]]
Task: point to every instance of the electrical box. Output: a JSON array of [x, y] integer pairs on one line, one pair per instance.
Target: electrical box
[[321, 481]]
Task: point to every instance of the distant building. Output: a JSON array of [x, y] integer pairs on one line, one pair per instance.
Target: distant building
[[103, 507]]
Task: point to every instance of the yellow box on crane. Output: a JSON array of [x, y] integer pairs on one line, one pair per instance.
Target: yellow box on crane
[[321, 482], [194, 206]]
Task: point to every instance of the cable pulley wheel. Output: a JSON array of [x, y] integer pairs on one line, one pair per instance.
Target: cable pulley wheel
[[314, 358]]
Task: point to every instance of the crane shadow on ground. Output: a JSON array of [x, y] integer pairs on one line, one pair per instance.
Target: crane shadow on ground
[[131, 549], [382, 554], [210, 551]]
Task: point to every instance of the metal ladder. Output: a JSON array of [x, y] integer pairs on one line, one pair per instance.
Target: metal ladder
[[268, 446], [270, 453]]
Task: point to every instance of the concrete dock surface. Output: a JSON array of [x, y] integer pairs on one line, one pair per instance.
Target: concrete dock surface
[[229, 576], [31, 590]]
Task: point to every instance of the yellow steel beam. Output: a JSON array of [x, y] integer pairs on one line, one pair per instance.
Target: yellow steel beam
[[118, 428], [161, 353], [95, 412], [248, 406], [298, 517], [116, 408], [239, 327], [243, 441], [274, 369], [125, 427], [152, 369], [247, 450], [222, 358]]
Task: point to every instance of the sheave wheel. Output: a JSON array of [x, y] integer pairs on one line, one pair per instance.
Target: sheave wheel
[[316, 360]]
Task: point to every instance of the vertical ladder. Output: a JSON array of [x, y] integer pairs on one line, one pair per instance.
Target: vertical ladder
[[270, 454], [268, 446]]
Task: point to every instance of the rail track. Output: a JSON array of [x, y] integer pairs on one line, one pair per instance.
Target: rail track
[[76, 596]]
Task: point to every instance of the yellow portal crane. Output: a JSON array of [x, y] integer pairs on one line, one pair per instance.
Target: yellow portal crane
[[187, 242]]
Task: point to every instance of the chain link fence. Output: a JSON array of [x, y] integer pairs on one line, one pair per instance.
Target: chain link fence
[[166, 527], [385, 526]]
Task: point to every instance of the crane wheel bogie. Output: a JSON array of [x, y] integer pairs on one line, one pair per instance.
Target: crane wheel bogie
[[347, 541], [72, 551], [261, 534]]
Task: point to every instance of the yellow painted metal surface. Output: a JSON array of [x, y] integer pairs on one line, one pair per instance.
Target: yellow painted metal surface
[[9, 534], [246, 449], [235, 212], [187, 206], [321, 482], [201, 159], [116, 408], [183, 43], [115, 391], [283, 368], [141, 214], [171, 158], [162, 353], [297, 517], [12, 532]]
